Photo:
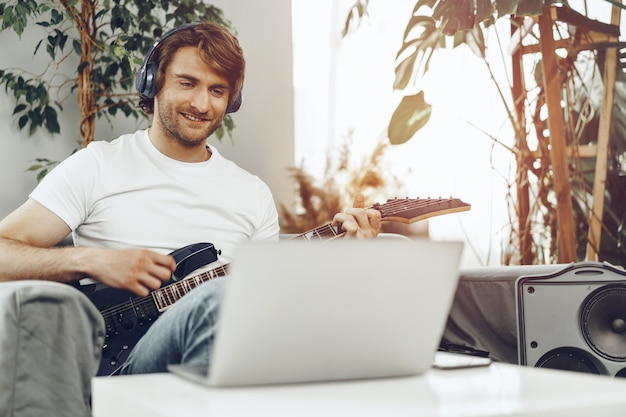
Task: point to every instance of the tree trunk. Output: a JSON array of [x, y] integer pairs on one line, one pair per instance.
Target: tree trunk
[[84, 20]]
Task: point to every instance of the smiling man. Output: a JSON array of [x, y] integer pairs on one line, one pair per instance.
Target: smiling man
[[129, 203]]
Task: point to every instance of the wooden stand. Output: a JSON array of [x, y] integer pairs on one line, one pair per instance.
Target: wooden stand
[[599, 33]]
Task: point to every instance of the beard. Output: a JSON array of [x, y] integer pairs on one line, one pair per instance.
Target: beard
[[174, 125]]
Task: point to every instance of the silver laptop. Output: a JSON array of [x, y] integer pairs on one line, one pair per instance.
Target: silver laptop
[[300, 311]]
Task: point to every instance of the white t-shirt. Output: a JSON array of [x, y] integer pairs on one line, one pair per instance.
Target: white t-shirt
[[125, 193]]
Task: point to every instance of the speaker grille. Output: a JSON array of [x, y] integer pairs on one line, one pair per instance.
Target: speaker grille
[[603, 321], [569, 359]]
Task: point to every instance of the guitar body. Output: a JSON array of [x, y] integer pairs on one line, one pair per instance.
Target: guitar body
[[125, 327], [128, 317]]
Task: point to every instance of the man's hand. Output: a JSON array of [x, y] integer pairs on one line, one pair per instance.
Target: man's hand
[[136, 270], [357, 221]]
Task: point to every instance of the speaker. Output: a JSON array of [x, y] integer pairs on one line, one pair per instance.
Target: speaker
[[145, 78], [574, 319]]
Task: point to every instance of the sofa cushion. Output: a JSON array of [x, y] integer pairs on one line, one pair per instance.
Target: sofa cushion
[[50, 343]]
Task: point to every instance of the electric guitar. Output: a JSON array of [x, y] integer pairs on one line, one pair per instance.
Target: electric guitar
[[127, 316]]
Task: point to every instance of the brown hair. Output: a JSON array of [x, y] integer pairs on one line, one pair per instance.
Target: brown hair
[[217, 47]]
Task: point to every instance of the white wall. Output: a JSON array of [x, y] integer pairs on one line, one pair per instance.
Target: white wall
[[263, 139], [17, 149]]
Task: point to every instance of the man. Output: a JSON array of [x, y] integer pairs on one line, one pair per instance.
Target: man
[[130, 202]]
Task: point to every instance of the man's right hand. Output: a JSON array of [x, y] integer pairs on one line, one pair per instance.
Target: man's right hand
[[136, 270]]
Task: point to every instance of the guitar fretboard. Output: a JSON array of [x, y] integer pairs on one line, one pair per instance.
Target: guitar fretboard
[[326, 232], [166, 296]]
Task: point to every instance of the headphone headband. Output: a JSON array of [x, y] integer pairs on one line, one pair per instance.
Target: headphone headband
[[145, 78]]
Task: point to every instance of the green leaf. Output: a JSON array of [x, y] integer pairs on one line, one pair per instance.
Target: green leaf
[[404, 72], [9, 21], [41, 174], [530, 8], [77, 47], [37, 46], [42, 8], [22, 121], [506, 7], [35, 120], [454, 15], [55, 17], [19, 108], [410, 116], [421, 39], [34, 167], [50, 50], [51, 120], [483, 10], [219, 133]]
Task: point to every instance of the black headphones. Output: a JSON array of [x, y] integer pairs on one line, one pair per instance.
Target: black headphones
[[145, 79]]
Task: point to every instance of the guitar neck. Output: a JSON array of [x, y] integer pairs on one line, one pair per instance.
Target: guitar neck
[[165, 297], [404, 210]]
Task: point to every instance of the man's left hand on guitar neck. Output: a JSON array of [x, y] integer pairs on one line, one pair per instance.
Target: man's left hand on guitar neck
[[358, 221]]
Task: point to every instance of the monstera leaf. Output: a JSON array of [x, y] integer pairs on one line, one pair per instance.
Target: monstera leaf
[[410, 116]]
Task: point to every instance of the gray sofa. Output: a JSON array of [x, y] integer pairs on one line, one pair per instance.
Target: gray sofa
[[50, 342], [483, 314]]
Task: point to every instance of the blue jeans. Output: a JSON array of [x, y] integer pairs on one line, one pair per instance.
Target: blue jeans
[[184, 334]]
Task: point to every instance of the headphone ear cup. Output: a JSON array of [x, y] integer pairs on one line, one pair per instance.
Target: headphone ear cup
[[145, 80], [236, 104], [140, 79]]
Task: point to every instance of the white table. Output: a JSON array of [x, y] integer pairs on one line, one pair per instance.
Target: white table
[[497, 390]]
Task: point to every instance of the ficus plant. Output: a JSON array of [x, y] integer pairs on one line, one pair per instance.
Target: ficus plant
[[105, 41]]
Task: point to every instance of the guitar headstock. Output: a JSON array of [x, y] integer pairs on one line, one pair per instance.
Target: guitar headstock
[[410, 210]]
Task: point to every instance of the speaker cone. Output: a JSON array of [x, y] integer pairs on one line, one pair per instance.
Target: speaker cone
[[568, 359], [603, 321]]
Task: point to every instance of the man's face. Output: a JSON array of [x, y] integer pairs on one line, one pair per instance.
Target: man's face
[[192, 101]]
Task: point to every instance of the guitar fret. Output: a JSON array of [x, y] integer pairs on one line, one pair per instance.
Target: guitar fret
[[325, 232], [187, 286], [158, 300], [178, 289], [168, 295]]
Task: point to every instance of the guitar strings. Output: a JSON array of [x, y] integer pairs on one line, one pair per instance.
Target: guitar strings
[[180, 285]]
